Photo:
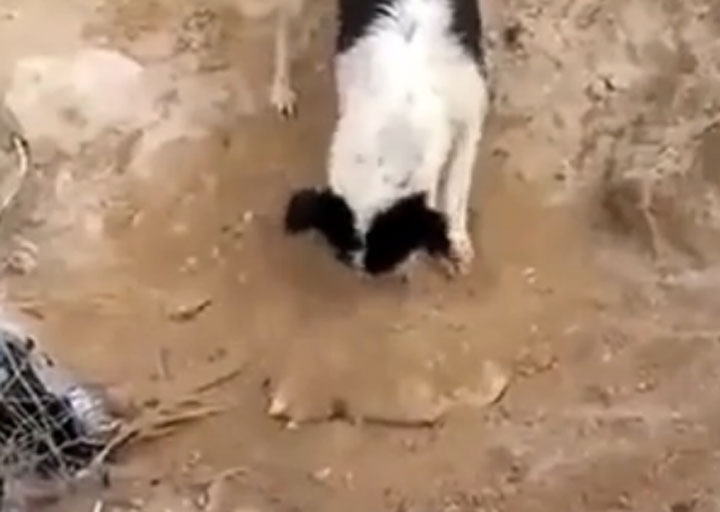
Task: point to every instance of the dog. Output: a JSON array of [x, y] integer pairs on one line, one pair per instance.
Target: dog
[[412, 101]]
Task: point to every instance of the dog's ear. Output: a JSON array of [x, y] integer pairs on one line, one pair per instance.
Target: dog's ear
[[326, 212], [407, 226], [303, 211]]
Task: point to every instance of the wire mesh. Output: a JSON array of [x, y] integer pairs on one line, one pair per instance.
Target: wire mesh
[[43, 432]]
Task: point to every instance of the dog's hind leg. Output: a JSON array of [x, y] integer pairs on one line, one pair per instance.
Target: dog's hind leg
[[282, 95]]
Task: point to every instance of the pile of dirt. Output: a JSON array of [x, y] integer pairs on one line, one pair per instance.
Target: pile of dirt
[[628, 112]]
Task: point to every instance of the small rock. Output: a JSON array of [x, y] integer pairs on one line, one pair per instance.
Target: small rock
[[530, 275], [189, 265], [278, 407], [322, 475], [645, 386], [624, 501], [494, 381]]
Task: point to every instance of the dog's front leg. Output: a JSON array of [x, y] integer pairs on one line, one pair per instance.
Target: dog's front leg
[[456, 191]]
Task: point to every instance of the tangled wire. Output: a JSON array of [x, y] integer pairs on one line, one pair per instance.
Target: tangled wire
[[43, 433]]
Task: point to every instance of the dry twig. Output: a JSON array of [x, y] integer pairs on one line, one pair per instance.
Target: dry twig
[[11, 184]]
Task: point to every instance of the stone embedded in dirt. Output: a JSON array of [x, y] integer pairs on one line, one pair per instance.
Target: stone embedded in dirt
[[530, 275], [322, 475], [493, 384], [278, 407], [624, 501], [120, 402]]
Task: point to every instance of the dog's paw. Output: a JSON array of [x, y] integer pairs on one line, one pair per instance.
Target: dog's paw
[[284, 100], [462, 253]]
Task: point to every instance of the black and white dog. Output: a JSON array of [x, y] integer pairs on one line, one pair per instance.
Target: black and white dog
[[412, 102]]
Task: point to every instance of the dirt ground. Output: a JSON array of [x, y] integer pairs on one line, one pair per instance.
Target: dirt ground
[[576, 368]]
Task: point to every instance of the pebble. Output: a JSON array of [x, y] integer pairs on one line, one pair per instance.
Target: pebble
[[322, 475]]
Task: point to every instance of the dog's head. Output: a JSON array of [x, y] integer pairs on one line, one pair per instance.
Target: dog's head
[[393, 235]]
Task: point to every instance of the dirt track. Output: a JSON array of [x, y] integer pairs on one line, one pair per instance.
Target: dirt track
[[146, 250]]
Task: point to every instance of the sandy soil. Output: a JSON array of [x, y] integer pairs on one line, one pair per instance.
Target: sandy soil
[[576, 368]]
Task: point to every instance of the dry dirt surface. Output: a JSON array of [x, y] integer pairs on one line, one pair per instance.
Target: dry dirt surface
[[575, 369]]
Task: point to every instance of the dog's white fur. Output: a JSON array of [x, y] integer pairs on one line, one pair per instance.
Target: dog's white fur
[[411, 115]]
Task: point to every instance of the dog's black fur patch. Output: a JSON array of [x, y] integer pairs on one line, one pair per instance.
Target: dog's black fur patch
[[329, 214], [467, 27], [355, 17], [407, 226]]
